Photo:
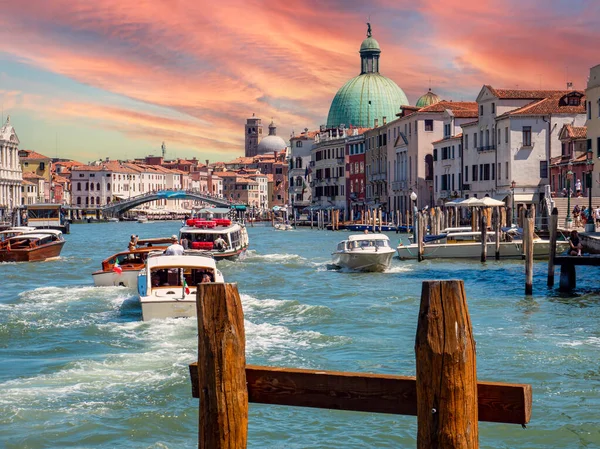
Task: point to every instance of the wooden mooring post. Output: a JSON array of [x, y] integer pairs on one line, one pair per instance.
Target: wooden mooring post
[[528, 249], [553, 237], [446, 396], [483, 228]]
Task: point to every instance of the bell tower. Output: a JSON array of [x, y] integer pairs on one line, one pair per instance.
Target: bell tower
[[253, 135]]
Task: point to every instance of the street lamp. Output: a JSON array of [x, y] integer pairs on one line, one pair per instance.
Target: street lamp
[[590, 226], [512, 186], [569, 220], [413, 197]]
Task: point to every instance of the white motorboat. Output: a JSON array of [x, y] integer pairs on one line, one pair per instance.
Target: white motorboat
[[283, 227], [364, 252], [142, 219], [113, 220], [203, 231], [167, 284], [467, 245]]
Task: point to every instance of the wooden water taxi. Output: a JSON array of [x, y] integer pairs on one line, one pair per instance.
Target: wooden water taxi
[[31, 245]]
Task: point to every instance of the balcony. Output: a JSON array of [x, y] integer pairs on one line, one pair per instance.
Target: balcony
[[486, 148], [398, 185]]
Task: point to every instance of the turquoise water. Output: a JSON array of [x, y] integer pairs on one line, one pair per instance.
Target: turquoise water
[[80, 368]]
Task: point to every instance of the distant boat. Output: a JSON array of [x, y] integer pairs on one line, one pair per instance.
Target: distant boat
[[113, 220], [364, 252], [32, 246], [142, 219]]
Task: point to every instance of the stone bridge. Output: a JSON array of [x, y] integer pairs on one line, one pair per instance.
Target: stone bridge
[[117, 208]]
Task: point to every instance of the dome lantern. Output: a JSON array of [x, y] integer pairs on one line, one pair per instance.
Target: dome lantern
[[427, 99]]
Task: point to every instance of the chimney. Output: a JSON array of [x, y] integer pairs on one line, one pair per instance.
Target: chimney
[[376, 123], [384, 120], [207, 162]]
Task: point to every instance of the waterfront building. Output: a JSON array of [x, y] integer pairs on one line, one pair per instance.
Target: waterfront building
[[300, 173], [259, 204], [368, 96], [592, 93], [40, 165], [515, 137], [355, 176], [411, 152], [573, 156], [447, 155], [376, 166], [35, 184], [11, 174], [328, 182], [254, 133]]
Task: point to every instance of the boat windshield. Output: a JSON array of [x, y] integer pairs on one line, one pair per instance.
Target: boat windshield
[[173, 277], [381, 243]]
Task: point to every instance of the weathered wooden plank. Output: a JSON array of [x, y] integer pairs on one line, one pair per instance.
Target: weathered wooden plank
[[374, 393], [223, 408], [447, 399], [591, 260]]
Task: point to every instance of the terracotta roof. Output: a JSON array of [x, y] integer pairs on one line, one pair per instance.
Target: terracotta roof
[[29, 182], [550, 105], [59, 179], [464, 108], [29, 175], [68, 164], [575, 132], [524, 94], [29, 154], [306, 136], [457, 136], [475, 122]]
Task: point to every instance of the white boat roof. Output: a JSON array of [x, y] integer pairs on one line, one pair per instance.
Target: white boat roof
[[43, 231], [186, 261], [29, 235], [215, 230], [460, 228], [355, 237]]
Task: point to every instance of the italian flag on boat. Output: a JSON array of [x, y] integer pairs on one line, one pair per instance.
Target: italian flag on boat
[[185, 286], [117, 268]]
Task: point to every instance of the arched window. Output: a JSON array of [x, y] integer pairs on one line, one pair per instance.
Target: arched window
[[98, 186], [298, 162], [108, 186], [92, 200], [92, 186], [291, 182], [98, 200], [79, 186], [79, 201], [87, 186], [298, 181], [87, 200]]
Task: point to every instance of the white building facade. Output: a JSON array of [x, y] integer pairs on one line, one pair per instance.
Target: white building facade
[[11, 174]]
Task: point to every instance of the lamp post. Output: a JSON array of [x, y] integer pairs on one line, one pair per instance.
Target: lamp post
[[413, 197], [512, 186], [431, 196], [590, 225], [569, 220]]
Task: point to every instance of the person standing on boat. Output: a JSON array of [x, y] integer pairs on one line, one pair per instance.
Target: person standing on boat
[[132, 242], [185, 243], [220, 244], [174, 249]]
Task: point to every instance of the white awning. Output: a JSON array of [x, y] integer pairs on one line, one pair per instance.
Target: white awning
[[524, 197]]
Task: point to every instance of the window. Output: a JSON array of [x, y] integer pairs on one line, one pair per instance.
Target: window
[[481, 172], [498, 136], [499, 170], [79, 201], [79, 186], [486, 172], [598, 146], [466, 173], [87, 186], [435, 154], [493, 172], [466, 141], [506, 135], [428, 125], [493, 108], [589, 110], [298, 143], [527, 136], [475, 140], [506, 170], [481, 110], [416, 124], [474, 172], [97, 186], [543, 169], [589, 144]]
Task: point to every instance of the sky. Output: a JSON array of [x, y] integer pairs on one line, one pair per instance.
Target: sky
[[115, 78]]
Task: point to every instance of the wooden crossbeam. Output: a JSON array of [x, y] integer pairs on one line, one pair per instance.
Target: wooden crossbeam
[[373, 393], [592, 260]]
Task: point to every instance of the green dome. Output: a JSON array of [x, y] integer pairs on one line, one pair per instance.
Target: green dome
[[427, 100], [364, 98], [369, 44]]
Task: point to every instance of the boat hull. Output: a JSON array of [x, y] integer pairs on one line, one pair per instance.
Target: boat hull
[[128, 278], [37, 254], [363, 260], [155, 309], [508, 250]]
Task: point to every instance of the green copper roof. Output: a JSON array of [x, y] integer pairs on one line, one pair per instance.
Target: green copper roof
[[427, 100], [369, 44], [364, 98]]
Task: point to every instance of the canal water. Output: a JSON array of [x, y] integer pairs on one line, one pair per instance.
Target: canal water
[[80, 368]]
